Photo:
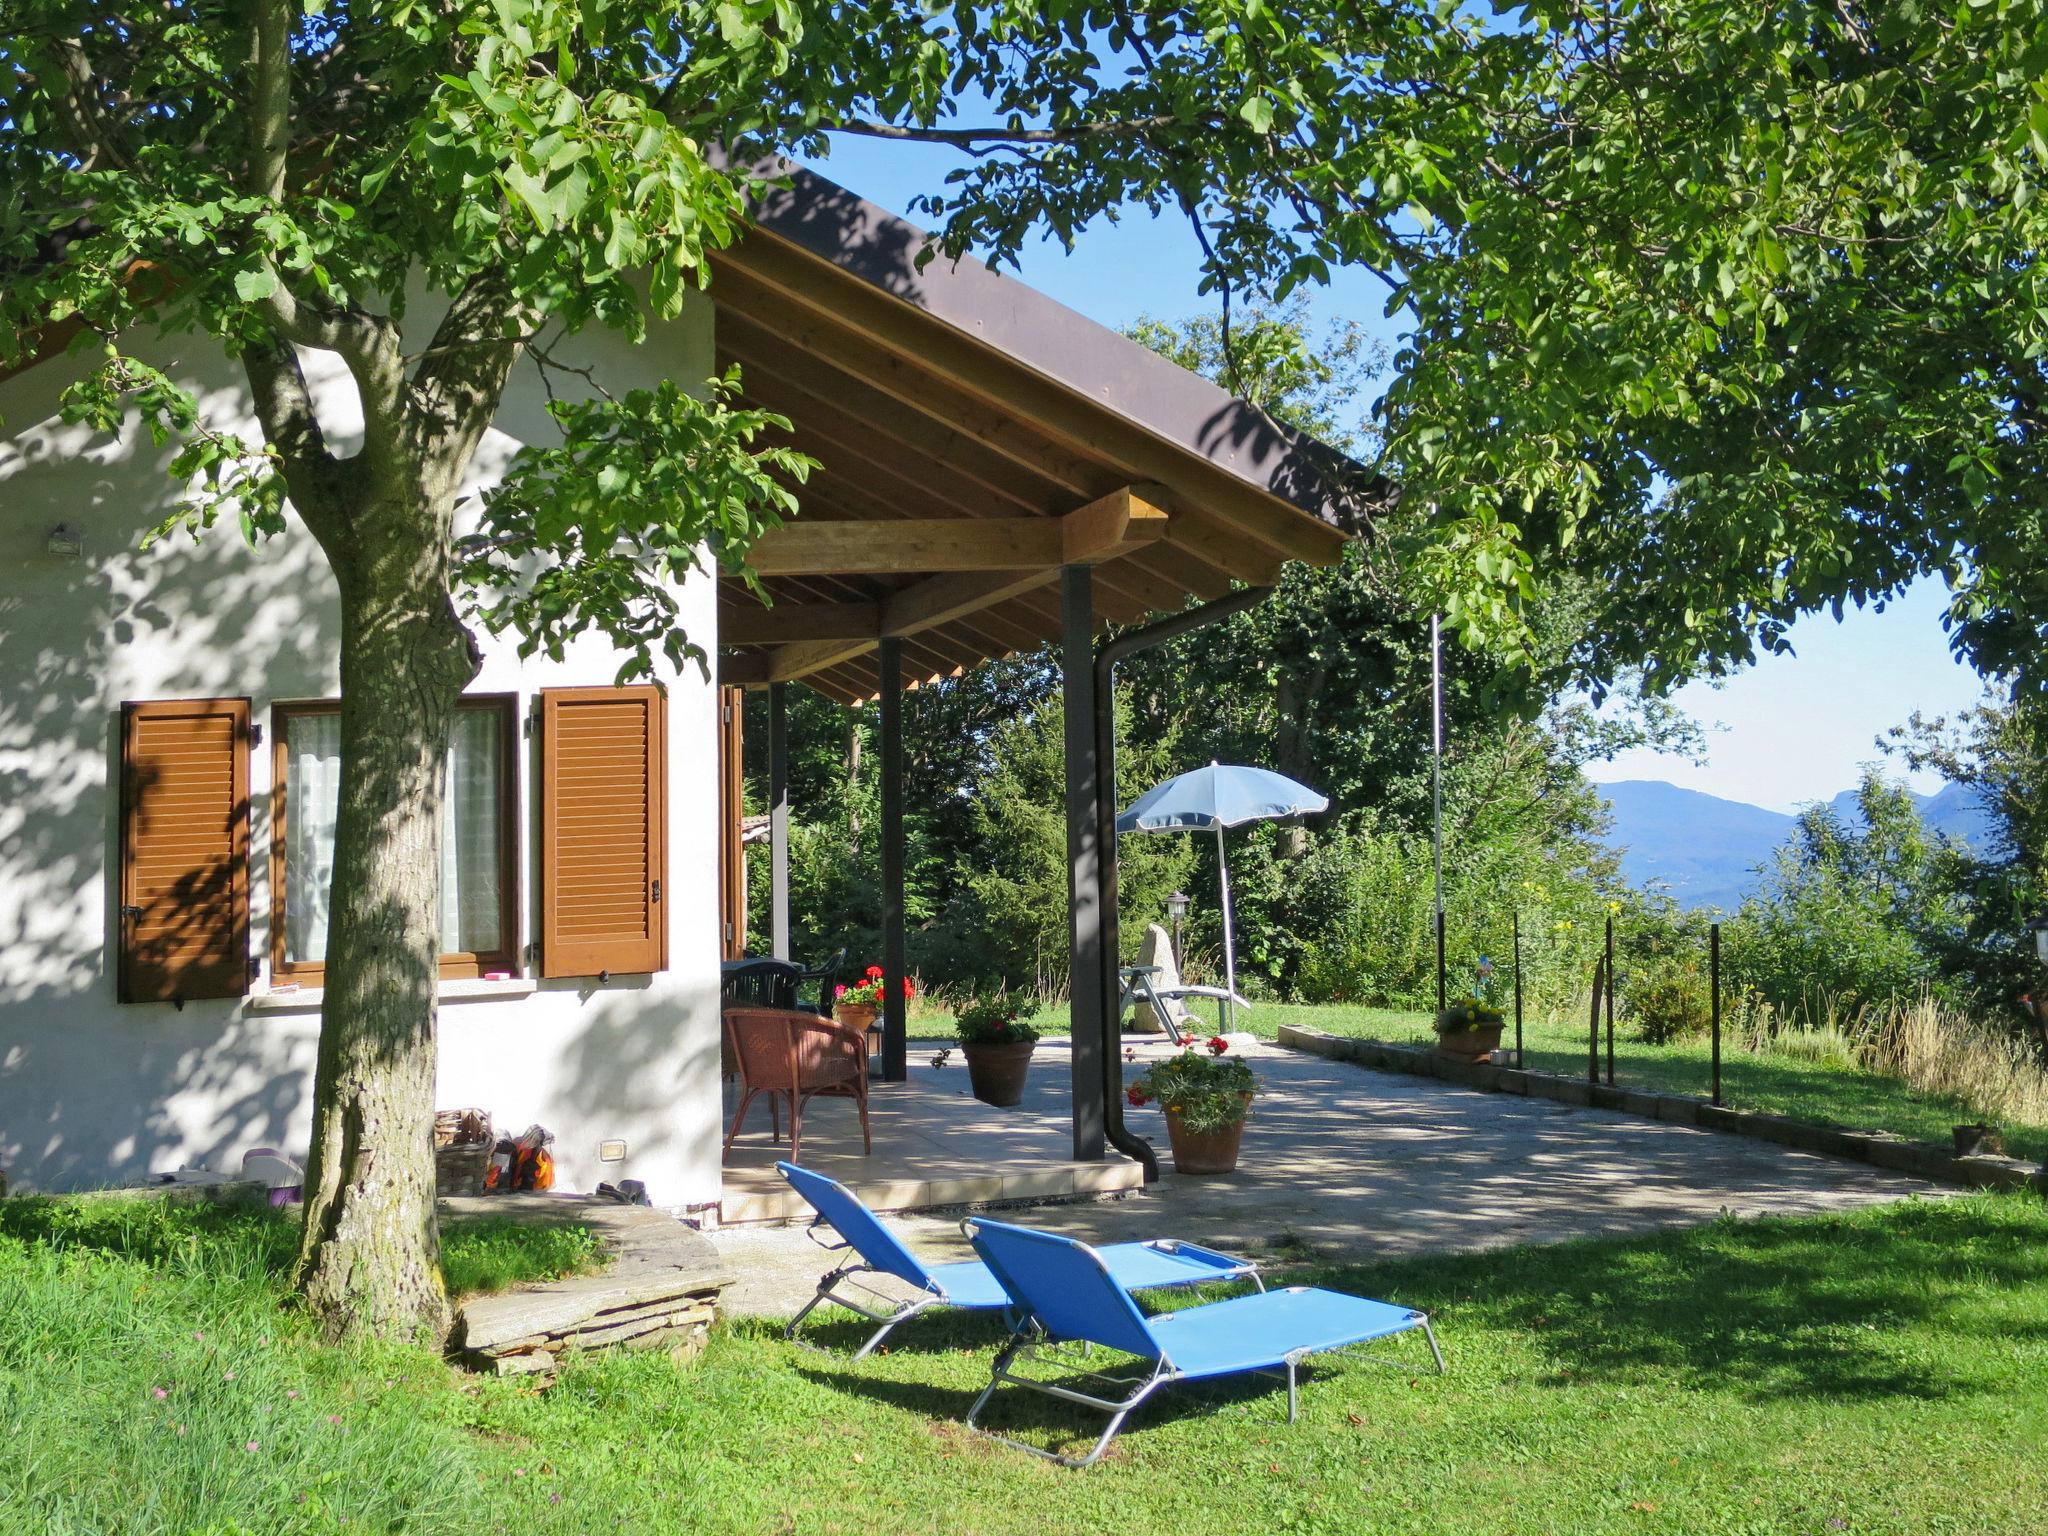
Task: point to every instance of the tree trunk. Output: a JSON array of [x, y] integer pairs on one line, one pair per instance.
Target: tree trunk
[[369, 1253]]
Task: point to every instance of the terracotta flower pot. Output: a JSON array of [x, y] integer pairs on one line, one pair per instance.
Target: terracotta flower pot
[[856, 1015], [1206, 1151], [996, 1072], [1474, 1044]]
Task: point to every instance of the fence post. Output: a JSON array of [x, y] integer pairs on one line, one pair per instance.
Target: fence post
[[1520, 1065], [1714, 987], [1610, 999], [1439, 959], [1593, 1023]]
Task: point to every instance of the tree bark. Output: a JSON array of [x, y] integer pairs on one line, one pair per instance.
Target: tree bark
[[369, 1252]]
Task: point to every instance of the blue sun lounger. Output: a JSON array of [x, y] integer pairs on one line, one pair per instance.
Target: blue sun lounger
[[967, 1284], [1063, 1292]]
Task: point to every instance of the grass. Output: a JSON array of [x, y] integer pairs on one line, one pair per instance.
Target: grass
[[238, 1245], [1880, 1372]]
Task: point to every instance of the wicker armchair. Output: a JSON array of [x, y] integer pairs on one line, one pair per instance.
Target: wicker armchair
[[795, 1057]]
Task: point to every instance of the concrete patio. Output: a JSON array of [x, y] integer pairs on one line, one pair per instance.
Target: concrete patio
[[1355, 1165], [935, 1144]]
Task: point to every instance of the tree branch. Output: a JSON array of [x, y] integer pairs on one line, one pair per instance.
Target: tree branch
[[284, 406], [367, 343], [455, 391], [976, 138]]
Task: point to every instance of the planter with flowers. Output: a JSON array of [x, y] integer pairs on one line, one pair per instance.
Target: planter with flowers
[[1469, 1030], [996, 1037], [1206, 1099], [859, 1005]]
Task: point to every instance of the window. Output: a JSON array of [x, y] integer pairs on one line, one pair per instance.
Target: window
[[479, 838]]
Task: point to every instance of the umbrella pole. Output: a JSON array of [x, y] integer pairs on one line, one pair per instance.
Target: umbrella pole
[[1229, 942]]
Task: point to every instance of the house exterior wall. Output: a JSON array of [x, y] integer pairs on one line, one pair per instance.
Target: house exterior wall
[[96, 1092]]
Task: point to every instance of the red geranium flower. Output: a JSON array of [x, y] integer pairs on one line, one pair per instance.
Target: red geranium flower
[[909, 987], [1136, 1095], [874, 971], [1218, 1045]]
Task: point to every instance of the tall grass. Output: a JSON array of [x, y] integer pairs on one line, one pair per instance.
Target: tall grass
[[1940, 1051], [1932, 1049]]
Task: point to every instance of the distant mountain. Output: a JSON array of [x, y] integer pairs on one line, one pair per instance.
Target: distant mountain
[[1705, 850], [1955, 809], [1702, 849]]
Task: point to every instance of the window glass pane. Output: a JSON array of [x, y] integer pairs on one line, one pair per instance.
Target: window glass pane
[[471, 920], [470, 917], [312, 792]]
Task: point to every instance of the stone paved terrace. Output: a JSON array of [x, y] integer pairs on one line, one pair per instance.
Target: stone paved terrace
[[1358, 1165], [935, 1144]]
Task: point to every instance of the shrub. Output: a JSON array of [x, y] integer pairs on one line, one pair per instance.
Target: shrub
[[1209, 1092], [998, 1019], [1667, 998]]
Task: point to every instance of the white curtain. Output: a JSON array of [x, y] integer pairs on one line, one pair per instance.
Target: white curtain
[[471, 921], [470, 917], [312, 793]]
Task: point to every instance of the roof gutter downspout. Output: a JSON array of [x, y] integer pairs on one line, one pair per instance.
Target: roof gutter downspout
[[1123, 1139]]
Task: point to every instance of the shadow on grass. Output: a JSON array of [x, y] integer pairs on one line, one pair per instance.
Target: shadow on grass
[[1840, 1309], [1921, 1301], [1036, 1419]]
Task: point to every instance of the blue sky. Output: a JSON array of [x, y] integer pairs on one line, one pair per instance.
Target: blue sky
[[1789, 730]]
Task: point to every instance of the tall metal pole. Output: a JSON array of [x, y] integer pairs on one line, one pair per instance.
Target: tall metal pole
[[778, 820], [895, 1024], [1436, 788], [1714, 987], [1610, 999], [1519, 1062]]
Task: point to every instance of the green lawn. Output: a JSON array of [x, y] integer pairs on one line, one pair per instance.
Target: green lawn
[[1880, 1372]]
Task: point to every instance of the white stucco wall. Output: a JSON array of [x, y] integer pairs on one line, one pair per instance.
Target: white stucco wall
[[94, 1092]]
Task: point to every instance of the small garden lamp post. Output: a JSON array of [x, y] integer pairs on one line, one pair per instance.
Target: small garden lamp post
[[2038, 926], [1176, 914]]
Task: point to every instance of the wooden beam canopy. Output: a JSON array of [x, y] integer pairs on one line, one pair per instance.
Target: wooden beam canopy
[[1105, 529]]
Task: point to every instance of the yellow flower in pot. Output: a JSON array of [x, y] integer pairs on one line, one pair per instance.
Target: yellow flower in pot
[[1206, 1099]]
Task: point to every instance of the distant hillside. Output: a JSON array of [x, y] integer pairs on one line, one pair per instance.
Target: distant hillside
[[1705, 850]]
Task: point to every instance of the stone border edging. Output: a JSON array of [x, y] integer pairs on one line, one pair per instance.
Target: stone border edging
[[1881, 1149]]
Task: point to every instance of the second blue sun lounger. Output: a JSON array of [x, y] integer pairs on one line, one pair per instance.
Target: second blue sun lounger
[[1063, 1293], [1134, 1266]]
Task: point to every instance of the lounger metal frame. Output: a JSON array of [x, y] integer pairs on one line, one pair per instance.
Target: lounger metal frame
[[903, 1309], [1028, 1344]]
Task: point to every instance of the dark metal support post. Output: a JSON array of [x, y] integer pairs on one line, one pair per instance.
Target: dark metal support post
[[1086, 990], [1127, 644], [1439, 959], [1520, 1064], [1714, 988], [895, 1027], [1610, 1000], [778, 819]]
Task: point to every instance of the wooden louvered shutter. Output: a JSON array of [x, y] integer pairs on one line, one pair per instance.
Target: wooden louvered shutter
[[732, 831], [184, 914], [604, 831]]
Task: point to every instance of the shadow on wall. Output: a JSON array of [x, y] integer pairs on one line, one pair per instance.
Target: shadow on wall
[[78, 636], [644, 1066]]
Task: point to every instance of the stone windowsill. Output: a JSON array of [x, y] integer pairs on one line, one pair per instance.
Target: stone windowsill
[[307, 999]]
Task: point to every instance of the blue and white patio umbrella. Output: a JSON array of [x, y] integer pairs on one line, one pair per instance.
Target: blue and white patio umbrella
[[1211, 799]]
